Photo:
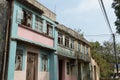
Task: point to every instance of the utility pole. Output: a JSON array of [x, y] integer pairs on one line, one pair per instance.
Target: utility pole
[[116, 59]]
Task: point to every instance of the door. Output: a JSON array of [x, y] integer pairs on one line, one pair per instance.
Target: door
[[79, 71], [32, 66], [60, 69], [95, 76]]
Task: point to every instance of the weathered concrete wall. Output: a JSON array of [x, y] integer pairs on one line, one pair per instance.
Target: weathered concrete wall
[[95, 70], [3, 20], [72, 33]]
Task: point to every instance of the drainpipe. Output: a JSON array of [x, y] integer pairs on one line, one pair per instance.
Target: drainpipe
[[7, 40]]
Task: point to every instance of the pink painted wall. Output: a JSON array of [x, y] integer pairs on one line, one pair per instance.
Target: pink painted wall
[[70, 77], [43, 76], [36, 37], [20, 75]]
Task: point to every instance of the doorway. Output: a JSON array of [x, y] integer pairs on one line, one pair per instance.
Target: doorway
[[32, 66], [60, 69]]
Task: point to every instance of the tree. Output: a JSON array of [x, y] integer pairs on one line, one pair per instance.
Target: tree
[[116, 6], [104, 56], [97, 54]]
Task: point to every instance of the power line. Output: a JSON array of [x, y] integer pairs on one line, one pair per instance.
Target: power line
[[98, 35], [108, 23], [105, 15]]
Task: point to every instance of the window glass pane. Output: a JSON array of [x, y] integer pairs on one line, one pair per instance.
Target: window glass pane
[[18, 60]]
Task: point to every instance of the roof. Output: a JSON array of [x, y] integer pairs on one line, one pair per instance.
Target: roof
[[72, 33]]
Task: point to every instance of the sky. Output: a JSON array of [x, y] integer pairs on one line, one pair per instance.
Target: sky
[[85, 15]]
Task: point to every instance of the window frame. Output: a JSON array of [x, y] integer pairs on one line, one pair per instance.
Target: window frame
[[49, 29], [79, 46], [38, 24], [20, 65], [67, 41], [44, 63], [24, 17], [72, 43], [60, 38]]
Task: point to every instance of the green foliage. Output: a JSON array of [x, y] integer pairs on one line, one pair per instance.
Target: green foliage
[[116, 6], [104, 60]]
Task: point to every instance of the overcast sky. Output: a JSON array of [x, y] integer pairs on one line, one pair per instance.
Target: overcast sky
[[85, 15]]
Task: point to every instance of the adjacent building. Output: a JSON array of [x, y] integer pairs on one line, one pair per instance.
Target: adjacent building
[[95, 70], [74, 57]]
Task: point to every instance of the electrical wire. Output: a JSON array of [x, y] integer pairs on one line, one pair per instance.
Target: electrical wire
[[105, 15], [98, 35]]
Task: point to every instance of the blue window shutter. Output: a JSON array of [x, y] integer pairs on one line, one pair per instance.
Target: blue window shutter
[[19, 16]]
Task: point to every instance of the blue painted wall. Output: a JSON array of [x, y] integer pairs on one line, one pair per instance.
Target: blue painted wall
[[11, 63]]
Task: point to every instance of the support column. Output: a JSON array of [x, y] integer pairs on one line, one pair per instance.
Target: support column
[[53, 67], [11, 63]]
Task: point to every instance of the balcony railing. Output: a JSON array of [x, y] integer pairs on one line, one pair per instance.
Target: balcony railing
[[83, 57], [65, 52]]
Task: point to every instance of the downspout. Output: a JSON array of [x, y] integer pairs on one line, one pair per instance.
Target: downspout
[[7, 40]]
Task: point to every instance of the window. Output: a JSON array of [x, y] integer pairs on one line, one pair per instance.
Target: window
[[83, 48], [44, 63], [49, 30], [86, 50], [72, 44], [60, 38], [38, 24], [66, 41], [79, 47], [24, 17], [68, 67], [18, 60]]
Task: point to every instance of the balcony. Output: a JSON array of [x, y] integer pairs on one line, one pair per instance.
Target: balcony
[[83, 57], [34, 36], [65, 52]]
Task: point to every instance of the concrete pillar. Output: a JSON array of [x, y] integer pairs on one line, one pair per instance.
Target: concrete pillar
[[11, 63]]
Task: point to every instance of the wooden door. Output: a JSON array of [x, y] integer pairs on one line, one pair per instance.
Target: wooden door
[[79, 71], [32, 66]]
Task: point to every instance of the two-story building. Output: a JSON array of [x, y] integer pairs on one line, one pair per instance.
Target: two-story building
[[32, 42], [73, 52]]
